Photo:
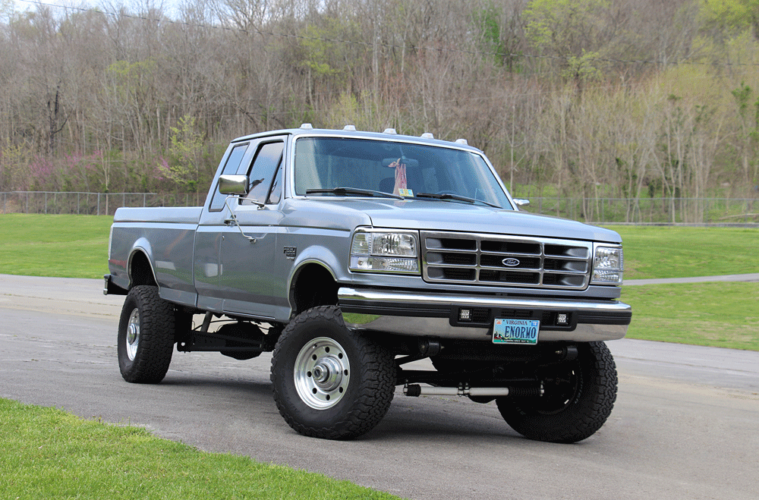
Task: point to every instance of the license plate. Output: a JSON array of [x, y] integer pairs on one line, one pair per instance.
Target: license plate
[[516, 331]]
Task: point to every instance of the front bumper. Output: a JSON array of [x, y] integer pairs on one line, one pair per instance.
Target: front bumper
[[438, 315]]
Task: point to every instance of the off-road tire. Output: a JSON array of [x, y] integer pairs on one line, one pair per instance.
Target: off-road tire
[[156, 336], [369, 390], [588, 402]]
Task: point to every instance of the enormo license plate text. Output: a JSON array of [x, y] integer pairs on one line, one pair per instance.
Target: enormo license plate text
[[516, 331]]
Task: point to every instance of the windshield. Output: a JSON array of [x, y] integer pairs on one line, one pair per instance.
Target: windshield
[[323, 164]]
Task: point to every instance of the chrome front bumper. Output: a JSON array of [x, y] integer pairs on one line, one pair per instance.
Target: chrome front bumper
[[436, 315]]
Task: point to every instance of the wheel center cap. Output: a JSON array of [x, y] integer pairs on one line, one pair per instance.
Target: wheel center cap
[[132, 334], [327, 374]]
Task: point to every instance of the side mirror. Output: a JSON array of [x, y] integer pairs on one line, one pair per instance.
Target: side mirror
[[521, 202], [233, 184]]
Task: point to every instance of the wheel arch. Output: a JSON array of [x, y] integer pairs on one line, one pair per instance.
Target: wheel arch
[[312, 283], [140, 268]]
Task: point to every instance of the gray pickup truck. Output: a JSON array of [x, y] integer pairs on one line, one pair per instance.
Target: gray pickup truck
[[350, 254]]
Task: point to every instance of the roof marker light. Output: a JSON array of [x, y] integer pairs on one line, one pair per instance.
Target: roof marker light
[[390, 131], [306, 126], [427, 135], [462, 141], [352, 128]]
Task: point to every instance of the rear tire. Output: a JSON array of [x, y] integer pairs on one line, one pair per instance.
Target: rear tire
[[146, 336], [330, 382], [579, 397]]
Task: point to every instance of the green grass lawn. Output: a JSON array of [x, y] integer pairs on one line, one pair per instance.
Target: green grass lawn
[[679, 252], [710, 314], [48, 453], [706, 314], [67, 246], [76, 246]]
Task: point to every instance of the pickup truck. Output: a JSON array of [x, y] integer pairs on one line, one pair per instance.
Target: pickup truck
[[350, 254]]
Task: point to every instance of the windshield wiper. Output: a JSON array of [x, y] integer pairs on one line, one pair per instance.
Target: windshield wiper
[[342, 191], [451, 196]]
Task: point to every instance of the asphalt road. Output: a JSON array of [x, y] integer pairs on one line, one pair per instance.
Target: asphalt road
[[685, 425]]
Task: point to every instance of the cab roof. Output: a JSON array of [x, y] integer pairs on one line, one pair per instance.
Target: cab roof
[[350, 132]]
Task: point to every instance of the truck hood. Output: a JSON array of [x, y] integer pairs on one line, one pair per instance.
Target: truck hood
[[456, 216]]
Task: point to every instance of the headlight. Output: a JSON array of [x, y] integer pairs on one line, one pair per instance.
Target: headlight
[[608, 265], [385, 251]]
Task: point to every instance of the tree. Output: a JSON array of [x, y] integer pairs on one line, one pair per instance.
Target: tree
[[186, 152]]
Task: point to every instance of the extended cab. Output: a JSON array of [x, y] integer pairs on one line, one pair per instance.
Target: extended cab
[[350, 254]]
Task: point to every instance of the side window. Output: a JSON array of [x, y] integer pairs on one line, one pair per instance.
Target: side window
[[233, 163], [262, 172]]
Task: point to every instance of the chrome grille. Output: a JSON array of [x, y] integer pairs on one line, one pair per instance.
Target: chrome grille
[[486, 259]]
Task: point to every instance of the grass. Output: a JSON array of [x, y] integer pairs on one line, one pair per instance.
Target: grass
[[68, 246], [48, 453], [680, 252], [709, 314], [716, 314], [76, 246]]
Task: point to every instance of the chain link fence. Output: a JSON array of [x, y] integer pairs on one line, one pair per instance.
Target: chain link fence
[[593, 210], [650, 210], [46, 202]]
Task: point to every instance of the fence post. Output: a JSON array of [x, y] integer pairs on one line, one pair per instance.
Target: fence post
[[144, 196], [45, 202], [27, 202], [77, 203], [746, 211], [123, 199], [98, 203]]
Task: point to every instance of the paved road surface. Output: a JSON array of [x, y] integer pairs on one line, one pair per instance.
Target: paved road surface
[[685, 425]]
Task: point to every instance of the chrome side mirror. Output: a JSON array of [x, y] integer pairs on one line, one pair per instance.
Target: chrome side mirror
[[521, 202], [236, 185]]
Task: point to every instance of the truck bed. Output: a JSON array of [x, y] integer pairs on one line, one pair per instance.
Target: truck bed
[[166, 236]]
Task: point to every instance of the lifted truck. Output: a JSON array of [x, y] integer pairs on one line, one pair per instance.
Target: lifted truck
[[350, 254]]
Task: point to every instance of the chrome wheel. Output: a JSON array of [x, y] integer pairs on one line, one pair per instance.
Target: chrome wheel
[[133, 334], [322, 373]]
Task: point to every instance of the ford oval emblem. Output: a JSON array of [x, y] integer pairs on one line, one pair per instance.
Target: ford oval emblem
[[510, 262]]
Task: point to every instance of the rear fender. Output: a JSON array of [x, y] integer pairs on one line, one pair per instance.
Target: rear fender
[[141, 249]]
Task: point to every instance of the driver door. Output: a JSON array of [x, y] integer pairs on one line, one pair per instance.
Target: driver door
[[248, 283]]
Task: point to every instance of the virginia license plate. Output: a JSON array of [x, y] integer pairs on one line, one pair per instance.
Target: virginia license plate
[[516, 331]]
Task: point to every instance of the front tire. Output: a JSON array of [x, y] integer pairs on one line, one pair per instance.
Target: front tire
[[330, 382], [146, 336], [579, 396]]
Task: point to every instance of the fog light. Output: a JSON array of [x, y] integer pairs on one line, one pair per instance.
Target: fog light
[[465, 315], [562, 319]]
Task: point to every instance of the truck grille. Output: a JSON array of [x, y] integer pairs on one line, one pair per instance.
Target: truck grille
[[486, 259]]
